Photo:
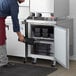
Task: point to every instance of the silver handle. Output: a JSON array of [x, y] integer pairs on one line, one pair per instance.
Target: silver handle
[[7, 26]]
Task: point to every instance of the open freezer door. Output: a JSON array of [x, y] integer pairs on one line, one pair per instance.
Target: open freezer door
[[61, 36]]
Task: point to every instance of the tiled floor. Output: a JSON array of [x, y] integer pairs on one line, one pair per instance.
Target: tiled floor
[[59, 72], [64, 72]]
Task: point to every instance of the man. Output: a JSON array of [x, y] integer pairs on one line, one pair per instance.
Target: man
[[8, 8]]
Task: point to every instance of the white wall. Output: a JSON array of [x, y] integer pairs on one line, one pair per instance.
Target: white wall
[[73, 15]]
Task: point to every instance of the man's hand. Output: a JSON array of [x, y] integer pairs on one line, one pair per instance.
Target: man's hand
[[21, 1], [20, 37]]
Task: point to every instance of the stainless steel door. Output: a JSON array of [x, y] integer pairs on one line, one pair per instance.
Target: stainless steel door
[[62, 46]]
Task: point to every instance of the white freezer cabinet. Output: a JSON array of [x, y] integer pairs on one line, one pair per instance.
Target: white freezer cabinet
[[54, 46], [14, 47]]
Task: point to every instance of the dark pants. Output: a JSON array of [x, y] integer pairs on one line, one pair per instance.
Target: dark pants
[[2, 31]]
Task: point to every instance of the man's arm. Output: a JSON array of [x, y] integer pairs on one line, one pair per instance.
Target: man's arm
[[14, 14]]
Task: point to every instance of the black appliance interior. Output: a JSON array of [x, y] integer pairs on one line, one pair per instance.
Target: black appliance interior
[[45, 34]]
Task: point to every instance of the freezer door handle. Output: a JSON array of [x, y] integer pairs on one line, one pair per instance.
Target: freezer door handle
[[7, 26]]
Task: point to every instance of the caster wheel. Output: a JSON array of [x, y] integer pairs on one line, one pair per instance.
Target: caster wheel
[[34, 61], [24, 61], [52, 65]]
